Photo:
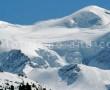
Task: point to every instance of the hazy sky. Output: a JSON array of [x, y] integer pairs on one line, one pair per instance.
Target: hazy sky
[[31, 11]]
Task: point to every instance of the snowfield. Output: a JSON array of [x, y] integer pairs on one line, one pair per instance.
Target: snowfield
[[59, 53], [80, 77]]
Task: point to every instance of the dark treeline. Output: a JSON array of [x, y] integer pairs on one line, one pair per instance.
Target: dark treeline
[[22, 86]]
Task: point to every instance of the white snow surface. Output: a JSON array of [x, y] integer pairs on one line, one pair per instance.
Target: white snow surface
[[90, 78], [15, 80], [88, 24]]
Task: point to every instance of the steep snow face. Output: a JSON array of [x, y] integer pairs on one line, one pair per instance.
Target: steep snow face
[[91, 16], [101, 60], [47, 58], [87, 19]]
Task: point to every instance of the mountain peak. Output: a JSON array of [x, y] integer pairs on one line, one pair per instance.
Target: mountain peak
[[90, 16], [94, 7], [87, 17]]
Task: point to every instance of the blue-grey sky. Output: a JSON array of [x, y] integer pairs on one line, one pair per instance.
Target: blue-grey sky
[[31, 11]]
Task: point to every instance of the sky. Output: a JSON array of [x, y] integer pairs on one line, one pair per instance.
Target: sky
[[27, 12]]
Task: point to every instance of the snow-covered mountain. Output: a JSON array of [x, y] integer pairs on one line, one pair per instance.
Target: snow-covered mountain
[[49, 51], [87, 17]]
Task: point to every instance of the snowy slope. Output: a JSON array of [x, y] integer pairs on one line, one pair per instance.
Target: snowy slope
[[45, 51], [79, 77], [85, 18], [8, 79]]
